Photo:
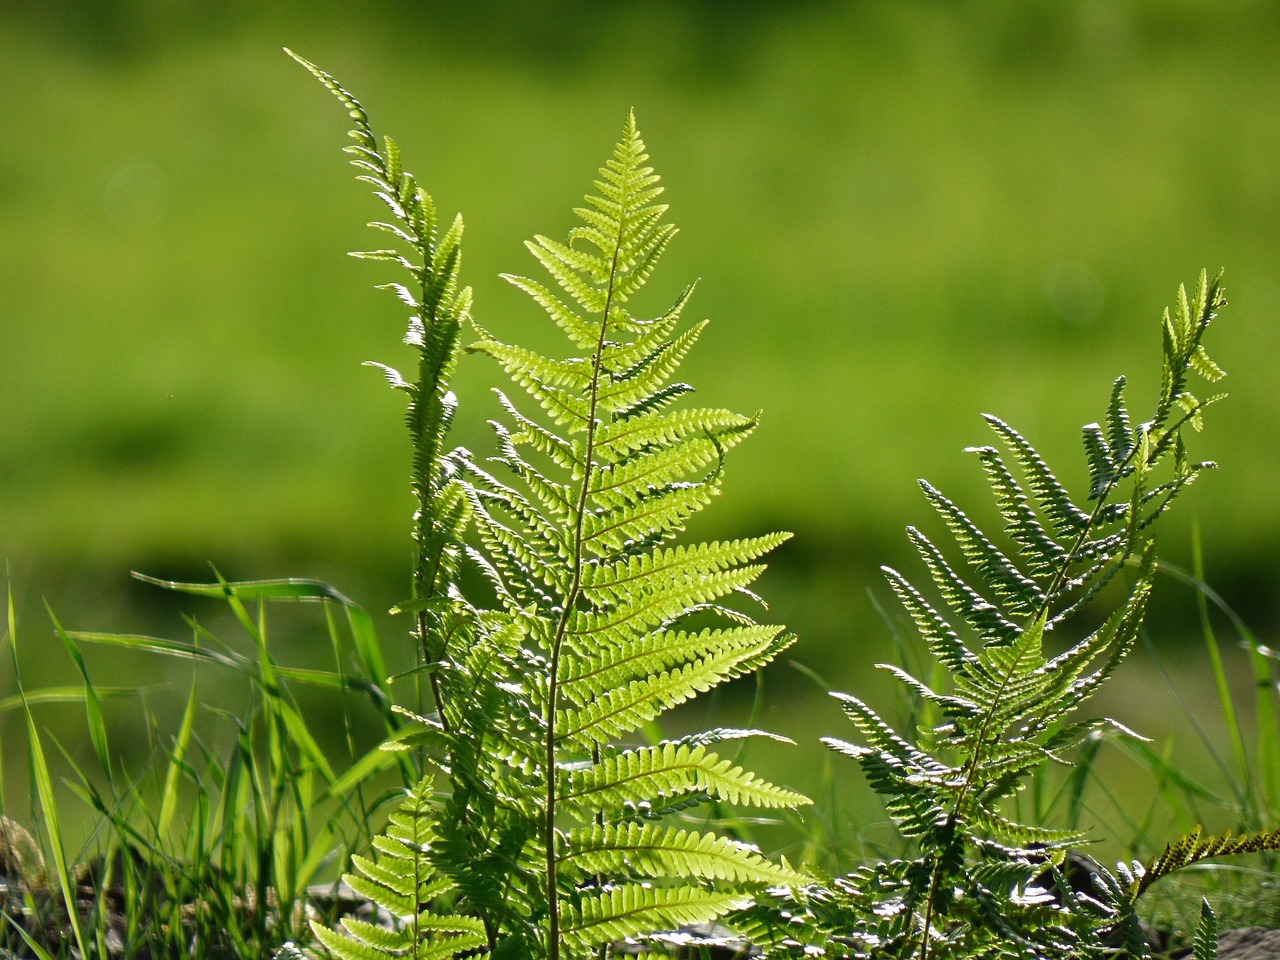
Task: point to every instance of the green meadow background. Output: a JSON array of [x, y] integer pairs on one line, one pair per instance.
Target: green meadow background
[[902, 215]]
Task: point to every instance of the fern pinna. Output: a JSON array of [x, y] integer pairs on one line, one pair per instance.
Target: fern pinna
[[580, 539], [977, 884]]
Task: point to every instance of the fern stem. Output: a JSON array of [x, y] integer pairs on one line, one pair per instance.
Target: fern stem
[[570, 600]]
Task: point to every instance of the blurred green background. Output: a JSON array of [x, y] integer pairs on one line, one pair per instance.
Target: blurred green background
[[902, 214]]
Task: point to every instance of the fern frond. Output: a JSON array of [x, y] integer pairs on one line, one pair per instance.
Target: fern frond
[[1193, 847], [1204, 944], [441, 306], [603, 479], [662, 773], [631, 909], [403, 882], [627, 707], [605, 666], [1005, 708], [650, 850]]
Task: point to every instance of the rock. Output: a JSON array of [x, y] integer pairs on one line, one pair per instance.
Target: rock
[[1249, 943]]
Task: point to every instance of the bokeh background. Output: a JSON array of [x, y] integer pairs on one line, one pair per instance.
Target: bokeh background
[[903, 215]]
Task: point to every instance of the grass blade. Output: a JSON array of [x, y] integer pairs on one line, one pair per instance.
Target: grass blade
[[92, 706], [169, 796], [44, 786]]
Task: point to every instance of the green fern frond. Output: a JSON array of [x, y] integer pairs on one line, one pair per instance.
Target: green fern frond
[[1204, 944], [663, 773], [650, 850], [607, 666], [629, 706], [440, 307], [1007, 707], [602, 480], [632, 909], [403, 882]]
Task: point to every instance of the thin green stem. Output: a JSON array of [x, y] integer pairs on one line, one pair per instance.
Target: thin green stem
[[570, 601]]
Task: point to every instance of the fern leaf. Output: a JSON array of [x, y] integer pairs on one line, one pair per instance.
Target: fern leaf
[[1004, 707], [664, 772], [617, 441], [650, 850], [625, 708], [630, 909], [613, 583], [1191, 848], [1204, 944], [605, 477], [603, 668]]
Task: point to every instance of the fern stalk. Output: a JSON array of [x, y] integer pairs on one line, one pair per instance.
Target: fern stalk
[[572, 596]]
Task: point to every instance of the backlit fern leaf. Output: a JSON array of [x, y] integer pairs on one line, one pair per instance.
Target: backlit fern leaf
[[620, 782], [403, 882], [440, 306], [600, 483], [989, 610]]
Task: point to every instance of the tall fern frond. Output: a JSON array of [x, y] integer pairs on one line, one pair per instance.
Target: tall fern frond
[[600, 483], [990, 608], [431, 254]]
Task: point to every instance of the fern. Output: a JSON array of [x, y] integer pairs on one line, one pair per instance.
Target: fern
[[402, 882], [1205, 942], [580, 542], [547, 840], [1192, 848], [980, 878], [440, 308], [460, 648]]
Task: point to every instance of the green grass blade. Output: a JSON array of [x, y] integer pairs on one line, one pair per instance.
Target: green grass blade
[[373, 762], [169, 796], [63, 695], [44, 789], [1215, 663], [1265, 718], [170, 648], [363, 633], [92, 706], [49, 812], [40, 952]]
